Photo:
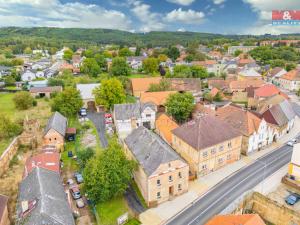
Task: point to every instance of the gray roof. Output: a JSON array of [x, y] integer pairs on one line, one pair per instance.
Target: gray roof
[[57, 122], [287, 109], [52, 206], [149, 149], [128, 111]]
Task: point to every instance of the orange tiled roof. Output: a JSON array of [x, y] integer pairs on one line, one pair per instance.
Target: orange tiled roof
[[266, 91], [214, 92], [246, 219], [158, 98], [165, 125], [143, 84], [242, 84], [292, 75]]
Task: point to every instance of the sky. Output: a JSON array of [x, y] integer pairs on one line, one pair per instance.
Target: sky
[[211, 16]]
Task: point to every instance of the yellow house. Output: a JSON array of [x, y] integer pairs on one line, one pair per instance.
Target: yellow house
[[294, 166], [207, 144], [162, 174]]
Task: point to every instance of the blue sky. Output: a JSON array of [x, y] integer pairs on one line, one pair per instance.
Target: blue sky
[[213, 16]]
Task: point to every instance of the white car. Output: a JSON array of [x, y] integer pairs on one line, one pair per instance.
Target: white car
[[80, 203], [290, 143]]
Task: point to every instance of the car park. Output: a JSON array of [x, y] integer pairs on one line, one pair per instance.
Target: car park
[[75, 193], [80, 203]]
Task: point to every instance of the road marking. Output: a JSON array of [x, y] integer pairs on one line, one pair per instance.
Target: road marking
[[231, 189]]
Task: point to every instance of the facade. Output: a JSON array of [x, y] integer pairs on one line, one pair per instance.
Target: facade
[[207, 144], [294, 166], [55, 131], [161, 174], [86, 92], [290, 80], [130, 116], [136, 62], [28, 75], [44, 91], [4, 220], [274, 74]]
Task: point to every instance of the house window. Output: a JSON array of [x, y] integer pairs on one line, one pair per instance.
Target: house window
[[204, 167], [158, 183], [170, 179], [221, 148], [49, 139], [179, 175], [179, 187], [55, 139], [228, 157], [158, 195], [220, 160], [213, 151], [204, 154], [148, 115], [169, 165], [229, 145]]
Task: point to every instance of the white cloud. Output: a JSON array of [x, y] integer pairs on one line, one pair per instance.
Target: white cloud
[[56, 14], [218, 2], [150, 20], [182, 2], [181, 30], [189, 17], [264, 11]]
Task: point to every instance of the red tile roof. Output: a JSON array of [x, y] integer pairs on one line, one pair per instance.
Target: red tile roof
[[292, 75], [266, 91], [246, 219]]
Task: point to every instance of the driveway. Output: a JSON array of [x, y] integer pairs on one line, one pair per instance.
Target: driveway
[[99, 122], [133, 200]]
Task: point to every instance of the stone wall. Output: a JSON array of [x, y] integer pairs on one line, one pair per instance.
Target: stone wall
[[7, 155]]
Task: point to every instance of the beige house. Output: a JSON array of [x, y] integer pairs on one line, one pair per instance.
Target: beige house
[[162, 174], [44, 91], [207, 144], [4, 220], [55, 131]]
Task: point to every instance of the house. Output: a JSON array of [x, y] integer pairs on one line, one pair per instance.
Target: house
[[245, 219], [216, 55], [212, 66], [44, 91], [207, 144], [141, 85], [256, 133], [130, 116], [38, 83], [274, 74], [55, 131], [281, 117], [4, 219], [290, 80], [28, 75], [158, 98], [76, 61], [221, 84], [163, 127], [294, 166], [162, 173], [266, 91], [203, 109], [5, 71], [43, 200], [192, 85], [241, 85], [249, 74], [49, 160], [135, 62], [267, 103], [86, 92], [244, 49]]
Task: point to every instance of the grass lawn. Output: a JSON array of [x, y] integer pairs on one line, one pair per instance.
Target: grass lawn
[[133, 222], [109, 211]]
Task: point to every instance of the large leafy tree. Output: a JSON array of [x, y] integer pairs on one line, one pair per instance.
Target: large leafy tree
[[125, 52], [101, 61], [68, 102], [119, 67], [8, 128], [109, 93], [173, 53], [108, 174], [150, 65], [23, 100], [163, 85], [180, 106], [68, 54], [90, 67]]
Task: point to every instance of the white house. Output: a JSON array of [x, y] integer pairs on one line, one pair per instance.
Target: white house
[[130, 116], [86, 92], [135, 62], [28, 75], [290, 80]]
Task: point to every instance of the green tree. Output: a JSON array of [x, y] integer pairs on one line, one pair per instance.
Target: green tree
[[218, 97], [124, 52], [68, 54], [137, 51], [290, 66], [199, 72], [162, 58], [109, 93], [101, 61], [163, 85], [173, 53], [90, 67], [89, 53], [9, 81], [84, 155], [150, 65], [208, 97], [119, 67], [8, 128], [277, 63], [23, 100], [67, 102], [180, 106], [182, 71], [27, 50], [237, 52], [108, 174]]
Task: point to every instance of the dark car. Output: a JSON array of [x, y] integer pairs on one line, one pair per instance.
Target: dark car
[[75, 193]]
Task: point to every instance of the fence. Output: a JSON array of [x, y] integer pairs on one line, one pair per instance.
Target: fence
[[7, 155]]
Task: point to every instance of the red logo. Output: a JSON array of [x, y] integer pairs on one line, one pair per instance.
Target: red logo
[[286, 15]]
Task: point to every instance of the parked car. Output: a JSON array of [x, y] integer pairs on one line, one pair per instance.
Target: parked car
[[292, 142], [79, 178], [107, 115], [75, 193], [70, 181], [83, 112], [292, 199], [70, 154], [80, 203]]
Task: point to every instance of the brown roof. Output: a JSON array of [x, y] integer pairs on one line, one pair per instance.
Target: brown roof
[[165, 125], [246, 219], [242, 120], [266, 91], [71, 130], [46, 89], [218, 83], [274, 71], [186, 84], [158, 98], [201, 109], [3, 204], [205, 132], [143, 84], [292, 75], [269, 102], [242, 84]]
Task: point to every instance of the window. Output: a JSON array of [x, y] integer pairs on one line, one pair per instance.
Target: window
[[228, 157], [179, 187], [169, 165], [179, 175], [213, 151], [220, 160], [148, 115], [229, 145], [204, 167], [55, 139], [221, 148], [158, 195], [49, 139], [158, 183], [204, 154], [170, 179]]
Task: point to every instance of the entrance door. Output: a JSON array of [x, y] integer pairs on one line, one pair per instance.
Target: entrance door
[[171, 190]]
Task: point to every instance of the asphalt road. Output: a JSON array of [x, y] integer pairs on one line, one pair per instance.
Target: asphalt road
[[99, 122], [224, 193]]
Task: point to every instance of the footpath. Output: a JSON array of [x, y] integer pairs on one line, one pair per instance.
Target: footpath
[[165, 211]]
